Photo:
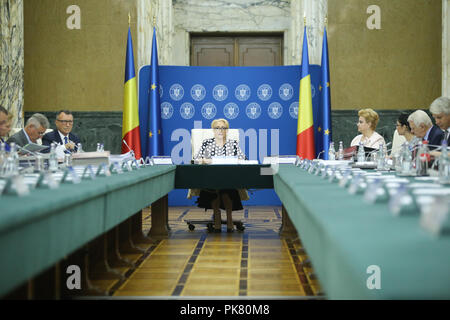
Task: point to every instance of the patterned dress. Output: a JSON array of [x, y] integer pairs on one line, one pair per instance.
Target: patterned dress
[[210, 149]]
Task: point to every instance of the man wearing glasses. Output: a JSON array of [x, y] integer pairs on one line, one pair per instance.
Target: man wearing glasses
[[34, 129], [62, 135]]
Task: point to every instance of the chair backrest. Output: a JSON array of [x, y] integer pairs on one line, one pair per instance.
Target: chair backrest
[[397, 141], [199, 135]]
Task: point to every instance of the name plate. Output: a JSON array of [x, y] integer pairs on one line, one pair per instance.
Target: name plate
[[224, 160], [291, 159], [16, 185], [161, 160], [435, 217]]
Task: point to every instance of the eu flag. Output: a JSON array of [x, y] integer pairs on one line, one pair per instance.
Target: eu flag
[[324, 126], [154, 134]]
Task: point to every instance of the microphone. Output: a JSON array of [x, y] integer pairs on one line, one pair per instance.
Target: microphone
[[130, 150], [318, 156], [371, 152]]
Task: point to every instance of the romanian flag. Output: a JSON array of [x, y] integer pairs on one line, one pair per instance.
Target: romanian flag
[[155, 144], [324, 132], [130, 125], [305, 127]]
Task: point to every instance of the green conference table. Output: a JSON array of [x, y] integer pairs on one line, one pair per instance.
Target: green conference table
[[38, 230], [343, 236]]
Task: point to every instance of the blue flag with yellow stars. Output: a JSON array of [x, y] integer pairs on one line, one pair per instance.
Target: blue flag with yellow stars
[[154, 134], [324, 118]]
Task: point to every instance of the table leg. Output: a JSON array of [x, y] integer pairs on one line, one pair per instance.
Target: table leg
[[115, 257], [137, 230], [126, 240], [159, 216], [102, 270], [287, 229]]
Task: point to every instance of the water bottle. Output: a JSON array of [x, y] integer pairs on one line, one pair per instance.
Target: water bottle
[[14, 155], [331, 152], [406, 159], [381, 159], [3, 156], [422, 159], [361, 157], [52, 159], [444, 166], [341, 151], [98, 147], [79, 147]]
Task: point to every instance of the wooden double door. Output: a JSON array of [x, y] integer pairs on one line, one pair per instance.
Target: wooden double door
[[236, 50]]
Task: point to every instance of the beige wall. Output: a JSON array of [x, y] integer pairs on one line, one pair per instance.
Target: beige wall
[[81, 70], [396, 67]]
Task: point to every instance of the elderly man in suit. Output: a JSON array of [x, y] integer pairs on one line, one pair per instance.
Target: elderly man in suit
[[440, 110], [34, 129], [422, 127], [4, 127], [62, 135]]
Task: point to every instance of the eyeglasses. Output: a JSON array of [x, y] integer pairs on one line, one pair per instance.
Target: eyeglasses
[[220, 128], [41, 133], [65, 121]]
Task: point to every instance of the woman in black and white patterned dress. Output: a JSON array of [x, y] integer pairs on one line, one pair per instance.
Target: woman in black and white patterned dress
[[229, 199]]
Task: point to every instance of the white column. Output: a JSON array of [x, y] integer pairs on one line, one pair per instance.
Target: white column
[[315, 12], [12, 58], [160, 12], [446, 48]]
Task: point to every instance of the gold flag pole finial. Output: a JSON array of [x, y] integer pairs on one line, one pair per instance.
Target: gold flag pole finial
[[154, 21], [304, 19], [326, 21], [129, 19]]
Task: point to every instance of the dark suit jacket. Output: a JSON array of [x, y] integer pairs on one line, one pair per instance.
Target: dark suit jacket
[[19, 138], [435, 137], [54, 136]]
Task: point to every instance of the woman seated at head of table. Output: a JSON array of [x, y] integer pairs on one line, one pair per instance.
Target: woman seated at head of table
[[227, 199], [367, 123]]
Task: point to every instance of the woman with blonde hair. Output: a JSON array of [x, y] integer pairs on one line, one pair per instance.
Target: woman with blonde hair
[[227, 199], [367, 123]]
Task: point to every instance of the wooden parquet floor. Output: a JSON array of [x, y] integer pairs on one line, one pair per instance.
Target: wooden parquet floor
[[254, 263]]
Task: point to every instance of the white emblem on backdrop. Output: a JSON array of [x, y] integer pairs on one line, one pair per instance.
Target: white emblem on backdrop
[[187, 110], [220, 92], [198, 92], [264, 92], [253, 110], [293, 110], [209, 110], [176, 92], [231, 110], [286, 91], [161, 91], [313, 91], [242, 92], [275, 110], [166, 110]]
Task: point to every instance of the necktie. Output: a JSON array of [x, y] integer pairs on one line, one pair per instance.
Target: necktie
[[65, 140]]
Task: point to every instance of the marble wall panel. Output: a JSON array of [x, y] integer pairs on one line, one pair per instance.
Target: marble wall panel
[[12, 59]]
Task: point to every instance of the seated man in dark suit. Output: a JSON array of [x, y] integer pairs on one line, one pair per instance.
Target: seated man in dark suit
[[440, 110], [423, 128], [62, 135], [34, 129]]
